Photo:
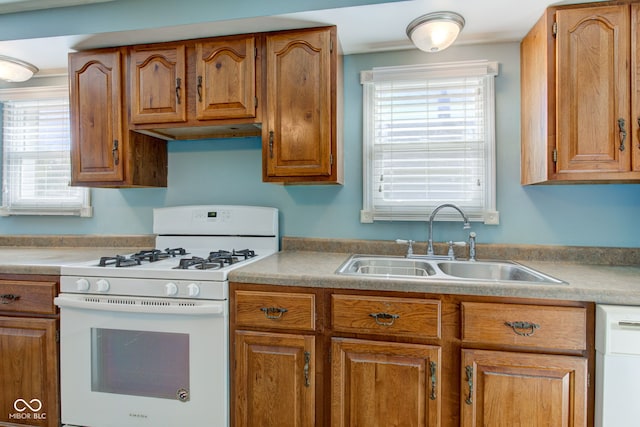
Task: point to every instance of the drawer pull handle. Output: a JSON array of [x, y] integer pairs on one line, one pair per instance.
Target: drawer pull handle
[[525, 329], [433, 381], [629, 323], [273, 312], [307, 361], [469, 399], [8, 298], [384, 319]]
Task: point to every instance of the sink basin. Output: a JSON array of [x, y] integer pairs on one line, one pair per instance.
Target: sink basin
[[387, 266], [432, 269], [494, 271]]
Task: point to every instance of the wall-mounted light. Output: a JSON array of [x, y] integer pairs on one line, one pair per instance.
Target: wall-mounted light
[[436, 31], [14, 70]]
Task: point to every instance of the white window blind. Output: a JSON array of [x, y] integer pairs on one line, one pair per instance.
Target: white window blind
[[35, 155], [428, 139]]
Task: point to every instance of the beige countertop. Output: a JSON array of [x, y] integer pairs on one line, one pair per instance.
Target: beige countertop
[[597, 283], [313, 262], [38, 260]]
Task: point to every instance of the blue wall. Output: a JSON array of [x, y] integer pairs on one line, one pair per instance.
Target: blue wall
[[229, 172]]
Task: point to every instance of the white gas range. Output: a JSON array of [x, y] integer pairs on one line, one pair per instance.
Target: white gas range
[[144, 336]]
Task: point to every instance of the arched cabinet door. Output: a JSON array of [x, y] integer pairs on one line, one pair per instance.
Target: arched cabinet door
[[225, 83], [97, 137], [299, 133]]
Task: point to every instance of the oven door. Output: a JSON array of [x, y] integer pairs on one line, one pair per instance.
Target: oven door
[[129, 361]]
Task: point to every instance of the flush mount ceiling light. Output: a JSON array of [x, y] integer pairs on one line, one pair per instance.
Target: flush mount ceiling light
[[14, 70], [436, 31]]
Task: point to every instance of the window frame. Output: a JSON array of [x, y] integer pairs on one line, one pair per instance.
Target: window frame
[[368, 78], [84, 208]]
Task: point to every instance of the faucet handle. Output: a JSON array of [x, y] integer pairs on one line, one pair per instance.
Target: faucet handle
[[405, 242], [451, 254]]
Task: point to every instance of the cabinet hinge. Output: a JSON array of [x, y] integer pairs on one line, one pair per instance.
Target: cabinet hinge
[[255, 52], [255, 101], [331, 45], [554, 29], [331, 159], [57, 335], [555, 155]]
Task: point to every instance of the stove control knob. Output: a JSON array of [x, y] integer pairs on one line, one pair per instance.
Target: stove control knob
[[171, 289], [82, 284], [193, 290], [103, 285]]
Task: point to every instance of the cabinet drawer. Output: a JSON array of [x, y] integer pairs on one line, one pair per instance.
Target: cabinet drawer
[[386, 316], [275, 310], [27, 297], [547, 327]]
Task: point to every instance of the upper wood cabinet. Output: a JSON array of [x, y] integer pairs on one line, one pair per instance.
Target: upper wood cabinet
[[226, 79], [300, 135], [126, 101], [104, 153], [157, 84], [195, 89], [579, 75]]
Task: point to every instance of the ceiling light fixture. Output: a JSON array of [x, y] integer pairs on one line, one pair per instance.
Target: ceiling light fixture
[[14, 70], [436, 31]]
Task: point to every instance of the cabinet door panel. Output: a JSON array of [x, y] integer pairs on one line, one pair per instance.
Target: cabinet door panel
[[226, 79], [298, 130], [28, 371], [505, 389], [593, 90], [274, 380], [384, 384], [96, 121], [158, 92], [635, 87]]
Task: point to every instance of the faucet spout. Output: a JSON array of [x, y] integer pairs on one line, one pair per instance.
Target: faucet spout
[[433, 215]]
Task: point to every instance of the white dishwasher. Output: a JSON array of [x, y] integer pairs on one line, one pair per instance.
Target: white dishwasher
[[617, 366]]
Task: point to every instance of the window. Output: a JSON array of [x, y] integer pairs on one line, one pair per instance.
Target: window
[[428, 139], [36, 168]]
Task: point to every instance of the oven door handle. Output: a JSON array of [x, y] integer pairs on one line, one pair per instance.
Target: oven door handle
[[141, 305]]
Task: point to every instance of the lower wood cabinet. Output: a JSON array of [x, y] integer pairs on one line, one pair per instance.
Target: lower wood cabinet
[[274, 380], [502, 388], [347, 358], [29, 378], [377, 383]]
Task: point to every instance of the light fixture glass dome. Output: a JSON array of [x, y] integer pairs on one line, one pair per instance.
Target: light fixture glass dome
[[436, 31], [15, 70]]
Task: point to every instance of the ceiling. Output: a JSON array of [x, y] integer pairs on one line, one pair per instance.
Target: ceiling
[[369, 28]]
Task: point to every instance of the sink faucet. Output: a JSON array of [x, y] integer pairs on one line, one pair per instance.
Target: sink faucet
[[433, 215]]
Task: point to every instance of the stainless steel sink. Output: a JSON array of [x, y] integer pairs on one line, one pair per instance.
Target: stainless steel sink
[[387, 266], [495, 271], [433, 269]]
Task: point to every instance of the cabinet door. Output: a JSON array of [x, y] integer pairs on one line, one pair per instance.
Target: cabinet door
[[635, 87], [297, 136], [502, 389], [384, 384], [28, 372], [593, 90], [97, 138], [274, 380], [226, 79], [157, 78]]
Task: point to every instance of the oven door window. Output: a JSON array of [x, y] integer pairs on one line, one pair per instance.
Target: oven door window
[[140, 363]]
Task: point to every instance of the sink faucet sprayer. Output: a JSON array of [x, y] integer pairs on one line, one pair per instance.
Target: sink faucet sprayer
[[466, 226]]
